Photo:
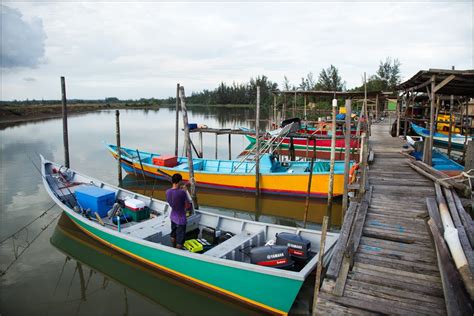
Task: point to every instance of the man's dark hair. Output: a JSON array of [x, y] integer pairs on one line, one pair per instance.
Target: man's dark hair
[[176, 178]]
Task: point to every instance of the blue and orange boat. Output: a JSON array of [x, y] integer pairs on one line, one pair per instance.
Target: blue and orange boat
[[288, 178]]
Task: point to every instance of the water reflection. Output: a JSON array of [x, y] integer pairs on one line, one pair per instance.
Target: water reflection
[[97, 266], [23, 198], [282, 210]]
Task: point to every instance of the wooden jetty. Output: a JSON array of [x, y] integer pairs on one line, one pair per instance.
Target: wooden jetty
[[385, 261]]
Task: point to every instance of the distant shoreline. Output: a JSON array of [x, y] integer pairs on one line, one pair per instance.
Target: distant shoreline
[[17, 115]]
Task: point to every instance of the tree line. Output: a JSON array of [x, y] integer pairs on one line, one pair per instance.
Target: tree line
[[385, 78]]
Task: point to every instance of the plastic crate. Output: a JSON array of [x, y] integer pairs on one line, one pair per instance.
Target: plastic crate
[[96, 199]]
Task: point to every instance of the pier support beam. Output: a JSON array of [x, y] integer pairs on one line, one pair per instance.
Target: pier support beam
[[257, 144], [119, 151], [189, 154], [65, 132], [176, 130], [347, 156], [333, 158]]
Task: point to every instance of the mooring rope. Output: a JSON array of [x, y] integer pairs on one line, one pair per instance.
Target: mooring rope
[[3, 272], [34, 220]]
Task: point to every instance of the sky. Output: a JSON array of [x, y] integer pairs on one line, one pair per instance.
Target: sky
[[132, 50]]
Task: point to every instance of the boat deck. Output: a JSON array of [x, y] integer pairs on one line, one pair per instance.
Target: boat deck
[[395, 268]]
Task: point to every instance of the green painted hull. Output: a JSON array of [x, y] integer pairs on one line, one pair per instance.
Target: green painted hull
[[259, 289], [297, 147]]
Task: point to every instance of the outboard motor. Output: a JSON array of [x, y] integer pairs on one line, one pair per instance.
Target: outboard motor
[[298, 247], [271, 256]]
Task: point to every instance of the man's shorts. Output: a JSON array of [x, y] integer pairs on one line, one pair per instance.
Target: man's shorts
[[178, 232]]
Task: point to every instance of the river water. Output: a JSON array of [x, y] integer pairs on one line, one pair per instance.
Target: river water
[[51, 268]]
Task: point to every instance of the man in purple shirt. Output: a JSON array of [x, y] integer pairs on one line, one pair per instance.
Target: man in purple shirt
[[177, 199]]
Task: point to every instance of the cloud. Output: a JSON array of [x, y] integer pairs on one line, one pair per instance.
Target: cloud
[[134, 50], [23, 42], [29, 79]]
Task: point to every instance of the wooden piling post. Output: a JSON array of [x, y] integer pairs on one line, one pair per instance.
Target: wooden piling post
[[176, 131], [451, 102], [216, 147], [294, 106], [398, 117], [305, 113], [319, 267], [65, 132], [377, 107], [347, 156], [333, 158], [275, 119], [230, 146], [310, 179], [257, 144], [200, 145], [189, 154], [119, 150], [429, 149]]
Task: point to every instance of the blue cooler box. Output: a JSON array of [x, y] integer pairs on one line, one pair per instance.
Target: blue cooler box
[[98, 200]]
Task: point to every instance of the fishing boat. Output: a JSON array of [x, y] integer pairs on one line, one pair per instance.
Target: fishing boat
[[160, 288], [284, 178], [440, 161], [243, 266], [323, 146], [458, 141]]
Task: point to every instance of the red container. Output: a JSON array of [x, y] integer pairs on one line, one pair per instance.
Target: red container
[[165, 161]]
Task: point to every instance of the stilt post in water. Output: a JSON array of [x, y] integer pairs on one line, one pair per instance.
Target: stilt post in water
[[216, 147], [333, 158], [347, 156], [119, 150], [230, 146], [257, 144], [310, 179], [429, 148], [176, 130], [451, 104], [189, 154], [65, 134], [319, 267]]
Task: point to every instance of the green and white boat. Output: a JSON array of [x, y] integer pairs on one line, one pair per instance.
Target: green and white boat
[[225, 268]]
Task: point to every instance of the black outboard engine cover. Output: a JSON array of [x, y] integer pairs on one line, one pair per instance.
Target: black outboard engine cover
[[298, 247], [271, 256], [295, 126]]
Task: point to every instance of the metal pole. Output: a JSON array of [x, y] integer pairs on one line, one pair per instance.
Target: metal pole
[[119, 150], [333, 157], [257, 136], [189, 154], [177, 122], [347, 156], [65, 134]]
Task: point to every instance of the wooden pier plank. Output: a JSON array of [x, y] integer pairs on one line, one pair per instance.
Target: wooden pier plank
[[395, 266]]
